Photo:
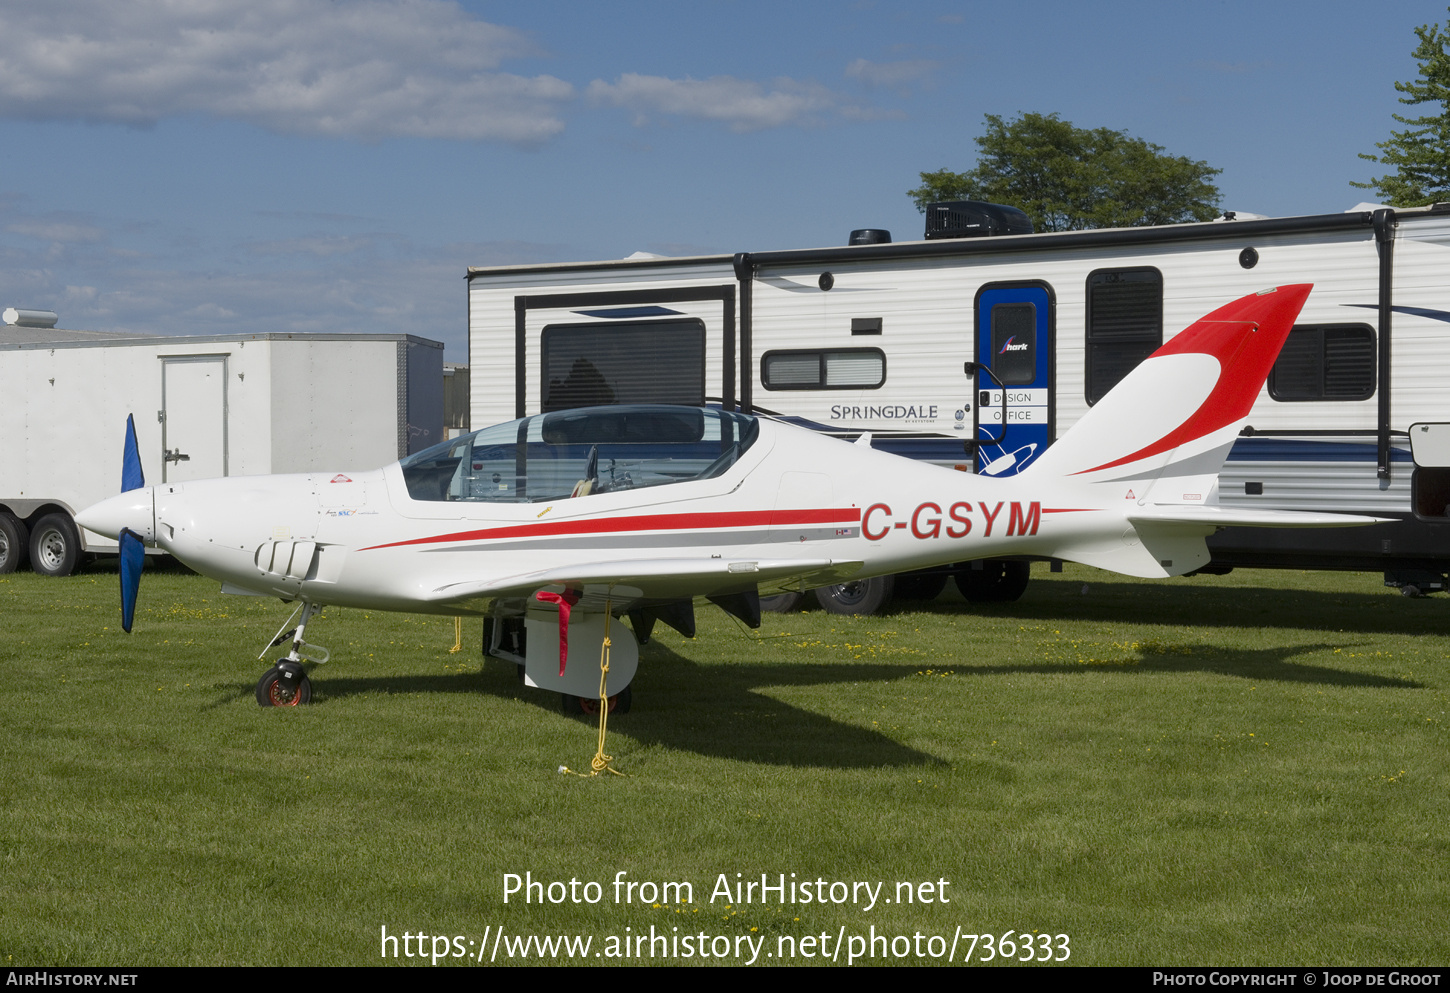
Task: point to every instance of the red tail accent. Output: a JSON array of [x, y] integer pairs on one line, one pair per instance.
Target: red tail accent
[[1245, 337]]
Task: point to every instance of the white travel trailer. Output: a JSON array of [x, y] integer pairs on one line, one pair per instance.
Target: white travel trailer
[[204, 406], [977, 346]]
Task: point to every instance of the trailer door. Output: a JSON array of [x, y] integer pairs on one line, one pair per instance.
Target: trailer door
[[193, 417], [1014, 339]]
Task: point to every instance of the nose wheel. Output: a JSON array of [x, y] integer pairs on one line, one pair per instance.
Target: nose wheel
[[284, 685]]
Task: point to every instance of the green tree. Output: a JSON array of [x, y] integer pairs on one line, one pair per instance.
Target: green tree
[[1068, 178], [1421, 153]]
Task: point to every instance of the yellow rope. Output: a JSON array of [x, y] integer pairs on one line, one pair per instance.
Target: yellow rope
[[600, 762], [457, 635]]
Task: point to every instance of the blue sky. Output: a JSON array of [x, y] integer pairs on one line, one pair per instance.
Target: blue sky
[[219, 166]]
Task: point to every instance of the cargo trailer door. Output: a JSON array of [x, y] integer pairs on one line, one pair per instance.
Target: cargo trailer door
[[193, 417]]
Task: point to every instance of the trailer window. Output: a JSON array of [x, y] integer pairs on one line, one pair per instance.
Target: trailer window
[[836, 369], [586, 365], [1430, 493], [1124, 324], [1325, 362], [1014, 343]]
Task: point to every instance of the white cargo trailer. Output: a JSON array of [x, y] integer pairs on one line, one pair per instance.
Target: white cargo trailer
[[204, 407], [977, 352]]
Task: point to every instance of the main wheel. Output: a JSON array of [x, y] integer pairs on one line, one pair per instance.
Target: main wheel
[[998, 581], [277, 689], [55, 545], [12, 542], [589, 705], [861, 596]]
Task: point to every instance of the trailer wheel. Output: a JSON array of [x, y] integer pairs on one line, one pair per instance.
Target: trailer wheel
[[924, 585], [862, 596], [12, 542], [55, 546], [781, 603], [998, 581]]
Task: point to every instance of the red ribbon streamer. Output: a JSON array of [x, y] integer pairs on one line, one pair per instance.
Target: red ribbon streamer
[[566, 601]]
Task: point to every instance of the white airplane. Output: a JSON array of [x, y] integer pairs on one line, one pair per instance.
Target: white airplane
[[553, 525]]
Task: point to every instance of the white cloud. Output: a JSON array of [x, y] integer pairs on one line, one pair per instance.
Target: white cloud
[[894, 74], [80, 293], [210, 312], [319, 245], [147, 281], [1232, 67], [680, 249], [308, 284], [69, 232], [743, 104], [366, 69]]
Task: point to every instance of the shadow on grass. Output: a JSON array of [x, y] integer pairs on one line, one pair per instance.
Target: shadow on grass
[[715, 711], [725, 711], [1267, 664], [1193, 602], [720, 711]]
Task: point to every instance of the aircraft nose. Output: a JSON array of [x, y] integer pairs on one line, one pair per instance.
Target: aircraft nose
[[134, 509]]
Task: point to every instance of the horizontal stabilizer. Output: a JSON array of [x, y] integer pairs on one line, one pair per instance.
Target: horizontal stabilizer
[[1149, 551], [1168, 539], [1219, 516]]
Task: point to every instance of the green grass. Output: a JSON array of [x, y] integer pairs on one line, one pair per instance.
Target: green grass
[[1217, 770]]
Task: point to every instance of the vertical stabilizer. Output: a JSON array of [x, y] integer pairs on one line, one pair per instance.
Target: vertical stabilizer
[[1160, 437]]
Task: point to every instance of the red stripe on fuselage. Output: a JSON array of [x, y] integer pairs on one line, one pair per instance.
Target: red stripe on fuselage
[[652, 522]]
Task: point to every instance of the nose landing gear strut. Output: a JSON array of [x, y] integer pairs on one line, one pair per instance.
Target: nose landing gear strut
[[286, 683]]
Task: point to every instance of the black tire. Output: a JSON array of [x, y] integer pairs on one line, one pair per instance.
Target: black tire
[[13, 535], [862, 596], [55, 546], [589, 706], [274, 691], [925, 585], [781, 603], [975, 584], [998, 581], [1014, 581]]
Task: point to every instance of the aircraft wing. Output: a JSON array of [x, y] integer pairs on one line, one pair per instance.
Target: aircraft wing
[[1235, 517], [629, 580]]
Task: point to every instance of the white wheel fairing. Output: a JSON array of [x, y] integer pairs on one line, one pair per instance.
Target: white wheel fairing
[[586, 636]]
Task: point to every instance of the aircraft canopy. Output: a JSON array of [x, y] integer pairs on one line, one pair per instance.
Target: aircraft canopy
[[581, 452]]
